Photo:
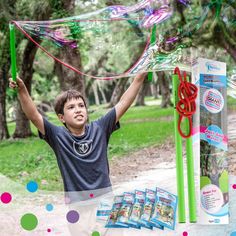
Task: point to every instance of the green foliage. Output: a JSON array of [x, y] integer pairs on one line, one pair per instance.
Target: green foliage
[[58, 9], [30, 10], [144, 134], [24, 160]]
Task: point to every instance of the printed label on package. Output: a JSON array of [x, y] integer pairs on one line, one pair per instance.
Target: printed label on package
[[213, 100], [211, 199]]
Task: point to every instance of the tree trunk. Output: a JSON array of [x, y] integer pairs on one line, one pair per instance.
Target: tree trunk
[[69, 79], [104, 99], [118, 91], [165, 91], [95, 92], [22, 123], [142, 93], [4, 134], [154, 86]]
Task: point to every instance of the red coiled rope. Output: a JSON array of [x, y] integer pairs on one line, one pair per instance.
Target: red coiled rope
[[186, 107]]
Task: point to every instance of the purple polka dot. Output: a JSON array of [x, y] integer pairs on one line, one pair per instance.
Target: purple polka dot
[[72, 216], [48, 230], [185, 233], [6, 198], [234, 186]]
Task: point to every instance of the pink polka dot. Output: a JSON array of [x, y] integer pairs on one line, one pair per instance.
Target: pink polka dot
[[67, 200], [48, 230], [91, 195], [185, 233], [6, 197], [234, 186]]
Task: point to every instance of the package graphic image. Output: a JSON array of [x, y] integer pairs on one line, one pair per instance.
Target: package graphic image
[[210, 140]]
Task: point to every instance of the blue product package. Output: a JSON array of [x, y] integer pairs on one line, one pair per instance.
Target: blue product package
[[103, 210], [137, 209], [126, 208], [148, 210], [112, 219], [165, 209]]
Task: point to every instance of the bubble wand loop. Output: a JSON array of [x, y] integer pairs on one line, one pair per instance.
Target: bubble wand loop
[[185, 94]]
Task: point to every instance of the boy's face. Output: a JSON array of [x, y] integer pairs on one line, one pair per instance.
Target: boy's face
[[75, 113]]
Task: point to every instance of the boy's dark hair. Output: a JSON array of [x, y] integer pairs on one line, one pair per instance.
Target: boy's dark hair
[[65, 96]]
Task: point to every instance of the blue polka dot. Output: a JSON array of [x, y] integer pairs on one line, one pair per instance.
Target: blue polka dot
[[49, 207], [233, 233], [32, 186]]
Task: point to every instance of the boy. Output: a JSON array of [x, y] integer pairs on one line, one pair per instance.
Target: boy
[[80, 148]]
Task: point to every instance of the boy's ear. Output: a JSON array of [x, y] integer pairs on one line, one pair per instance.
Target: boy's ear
[[61, 118]]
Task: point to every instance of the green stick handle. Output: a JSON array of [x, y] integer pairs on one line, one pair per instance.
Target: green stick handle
[[190, 175], [152, 41], [179, 158], [13, 51]]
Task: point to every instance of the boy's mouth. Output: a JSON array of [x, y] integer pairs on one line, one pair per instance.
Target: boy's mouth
[[79, 116]]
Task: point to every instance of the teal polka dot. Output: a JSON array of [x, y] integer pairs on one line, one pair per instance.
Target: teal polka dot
[[32, 186], [49, 207]]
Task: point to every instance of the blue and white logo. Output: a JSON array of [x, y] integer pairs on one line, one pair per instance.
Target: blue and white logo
[[211, 66]]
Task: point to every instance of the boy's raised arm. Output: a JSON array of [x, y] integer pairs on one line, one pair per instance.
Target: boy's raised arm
[[128, 97], [27, 104]]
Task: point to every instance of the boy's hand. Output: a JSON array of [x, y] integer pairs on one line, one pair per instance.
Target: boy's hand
[[16, 84], [141, 76]]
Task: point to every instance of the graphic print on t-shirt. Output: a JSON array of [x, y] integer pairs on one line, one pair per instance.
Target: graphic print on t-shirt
[[83, 148]]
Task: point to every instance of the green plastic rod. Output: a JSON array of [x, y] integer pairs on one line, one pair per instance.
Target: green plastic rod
[[179, 158], [190, 175], [152, 41], [13, 51]]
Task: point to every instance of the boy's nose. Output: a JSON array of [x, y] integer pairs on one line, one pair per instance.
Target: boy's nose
[[77, 109]]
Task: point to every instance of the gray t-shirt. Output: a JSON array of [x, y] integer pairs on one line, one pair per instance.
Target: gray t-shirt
[[82, 160]]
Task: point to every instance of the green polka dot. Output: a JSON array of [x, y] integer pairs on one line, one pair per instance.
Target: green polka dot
[[29, 221], [95, 233]]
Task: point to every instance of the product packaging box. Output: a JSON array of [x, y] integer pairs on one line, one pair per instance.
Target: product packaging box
[[210, 141]]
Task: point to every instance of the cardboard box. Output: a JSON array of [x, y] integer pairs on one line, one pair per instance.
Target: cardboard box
[[210, 141]]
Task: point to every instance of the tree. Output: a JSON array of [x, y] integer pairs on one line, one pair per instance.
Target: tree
[[68, 78], [143, 92], [165, 89], [118, 91], [26, 72], [22, 123]]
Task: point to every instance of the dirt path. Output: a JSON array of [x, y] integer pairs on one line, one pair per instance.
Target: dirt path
[[128, 167]]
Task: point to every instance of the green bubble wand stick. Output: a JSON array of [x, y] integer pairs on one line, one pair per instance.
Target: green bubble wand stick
[[192, 92], [13, 51]]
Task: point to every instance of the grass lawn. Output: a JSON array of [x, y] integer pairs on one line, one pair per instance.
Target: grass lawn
[[32, 159]]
